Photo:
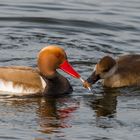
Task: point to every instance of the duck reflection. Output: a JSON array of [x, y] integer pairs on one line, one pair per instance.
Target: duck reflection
[[104, 108], [106, 105], [51, 113], [55, 113]]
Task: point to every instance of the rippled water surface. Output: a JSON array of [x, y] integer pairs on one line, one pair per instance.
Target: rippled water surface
[[87, 30]]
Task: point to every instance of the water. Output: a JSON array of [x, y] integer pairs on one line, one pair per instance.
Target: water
[[87, 30]]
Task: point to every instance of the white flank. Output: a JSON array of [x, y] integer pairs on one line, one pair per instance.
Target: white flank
[[8, 86]]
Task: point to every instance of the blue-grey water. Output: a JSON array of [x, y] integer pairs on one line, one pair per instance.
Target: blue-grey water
[[87, 30]]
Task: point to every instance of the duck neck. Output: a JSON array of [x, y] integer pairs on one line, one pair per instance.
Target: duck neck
[[56, 85]]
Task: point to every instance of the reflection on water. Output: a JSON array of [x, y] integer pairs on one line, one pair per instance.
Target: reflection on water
[[66, 116], [48, 115], [106, 106], [56, 113]]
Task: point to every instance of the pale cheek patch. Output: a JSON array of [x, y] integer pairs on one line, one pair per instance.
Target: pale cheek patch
[[110, 73], [19, 90]]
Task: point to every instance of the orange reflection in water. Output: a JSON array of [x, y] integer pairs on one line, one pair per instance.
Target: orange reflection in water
[[56, 113]]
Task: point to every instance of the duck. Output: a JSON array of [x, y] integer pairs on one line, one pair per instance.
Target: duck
[[43, 80], [123, 71]]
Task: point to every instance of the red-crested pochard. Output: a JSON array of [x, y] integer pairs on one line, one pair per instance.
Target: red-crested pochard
[[124, 71], [44, 80]]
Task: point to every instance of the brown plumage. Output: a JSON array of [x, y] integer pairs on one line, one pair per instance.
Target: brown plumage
[[124, 71], [44, 80]]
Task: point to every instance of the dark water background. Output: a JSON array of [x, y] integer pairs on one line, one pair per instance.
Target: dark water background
[[87, 30]]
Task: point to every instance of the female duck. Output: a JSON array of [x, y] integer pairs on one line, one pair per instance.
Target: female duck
[[21, 80], [124, 71]]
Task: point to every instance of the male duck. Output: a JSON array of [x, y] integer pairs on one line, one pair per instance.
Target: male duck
[[44, 80]]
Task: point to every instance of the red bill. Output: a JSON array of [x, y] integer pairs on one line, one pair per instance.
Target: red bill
[[66, 67]]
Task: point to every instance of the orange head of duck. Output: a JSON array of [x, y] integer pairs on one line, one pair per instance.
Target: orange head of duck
[[52, 58]]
